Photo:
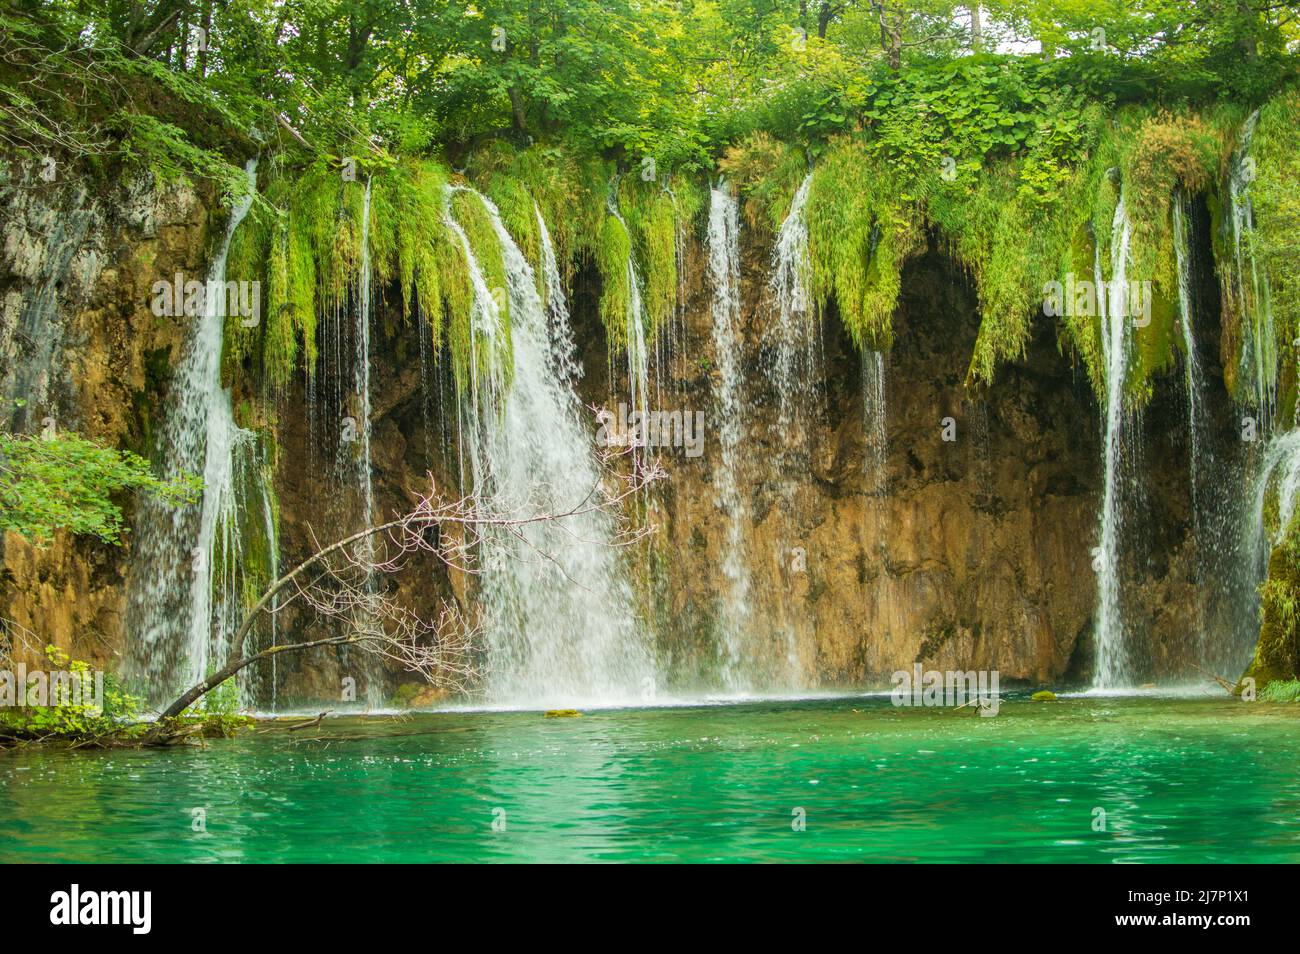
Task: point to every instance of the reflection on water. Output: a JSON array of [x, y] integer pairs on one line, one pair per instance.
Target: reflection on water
[[1178, 780]]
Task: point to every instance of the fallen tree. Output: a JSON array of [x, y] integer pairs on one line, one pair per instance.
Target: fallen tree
[[338, 581]]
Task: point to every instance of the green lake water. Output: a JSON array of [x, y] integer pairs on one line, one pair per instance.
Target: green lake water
[[1186, 780]]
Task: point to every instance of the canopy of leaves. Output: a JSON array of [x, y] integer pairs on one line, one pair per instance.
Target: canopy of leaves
[[66, 482]]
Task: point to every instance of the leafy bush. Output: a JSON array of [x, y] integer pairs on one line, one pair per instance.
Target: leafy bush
[[65, 482], [119, 709]]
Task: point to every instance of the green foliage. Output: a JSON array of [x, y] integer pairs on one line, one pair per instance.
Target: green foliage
[[304, 241], [111, 715], [542, 103], [1276, 236], [862, 227], [1277, 655], [1011, 242], [66, 482], [84, 97], [651, 214], [1163, 156], [1281, 690], [613, 253], [768, 174]]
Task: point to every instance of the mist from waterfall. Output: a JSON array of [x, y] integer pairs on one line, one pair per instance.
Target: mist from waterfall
[[558, 615], [186, 594]]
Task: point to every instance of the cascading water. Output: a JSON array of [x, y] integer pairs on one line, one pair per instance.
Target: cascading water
[[361, 373], [189, 566], [1226, 559], [557, 609], [564, 350], [874, 422], [1248, 290], [1111, 668], [357, 460], [1195, 384], [1279, 476], [638, 352], [739, 656], [796, 362], [793, 365]]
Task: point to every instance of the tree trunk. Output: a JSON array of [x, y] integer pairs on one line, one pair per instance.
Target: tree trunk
[[824, 16], [235, 662], [517, 110], [891, 38], [976, 29], [1247, 39], [207, 38]]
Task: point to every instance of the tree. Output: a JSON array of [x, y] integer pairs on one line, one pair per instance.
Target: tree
[[337, 582], [65, 482]]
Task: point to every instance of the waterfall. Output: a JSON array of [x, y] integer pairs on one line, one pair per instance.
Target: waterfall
[[1279, 475], [796, 362], [557, 609], [1278, 484], [1204, 526], [358, 459], [739, 656], [638, 353], [1226, 560], [1195, 384], [873, 423], [1248, 286], [1111, 650], [187, 592], [361, 372], [564, 351]]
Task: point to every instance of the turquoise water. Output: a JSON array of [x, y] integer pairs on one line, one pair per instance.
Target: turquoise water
[[1179, 780]]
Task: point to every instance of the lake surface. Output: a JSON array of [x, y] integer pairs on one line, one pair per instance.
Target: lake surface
[[1179, 779]]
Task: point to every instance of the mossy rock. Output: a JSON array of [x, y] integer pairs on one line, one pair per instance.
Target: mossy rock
[[562, 713], [1043, 695], [415, 695]]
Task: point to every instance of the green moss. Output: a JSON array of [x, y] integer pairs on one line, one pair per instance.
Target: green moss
[[1282, 690], [860, 233], [304, 243], [651, 215], [1012, 243], [1164, 156], [1277, 655], [406, 226], [612, 254], [1276, 237], [470, 212], [570, 193], [767, 174]]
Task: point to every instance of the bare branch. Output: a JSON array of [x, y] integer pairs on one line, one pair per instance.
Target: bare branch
[[338, 583]]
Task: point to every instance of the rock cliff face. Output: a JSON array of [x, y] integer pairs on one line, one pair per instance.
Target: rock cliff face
[[81, 350], [974, 553], [969, 552]]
